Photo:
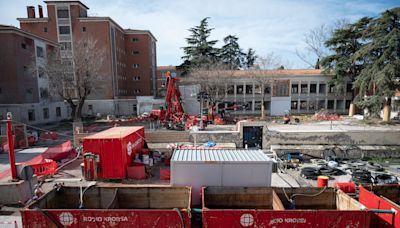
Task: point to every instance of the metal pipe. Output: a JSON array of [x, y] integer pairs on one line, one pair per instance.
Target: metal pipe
[[382, 211], [11, 154]]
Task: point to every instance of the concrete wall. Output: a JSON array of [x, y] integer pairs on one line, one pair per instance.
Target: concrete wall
[[279, 105], [333, 137], [20, 112]]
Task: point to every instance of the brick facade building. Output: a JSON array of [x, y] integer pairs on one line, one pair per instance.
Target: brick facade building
[[24, 89], [130, 64]]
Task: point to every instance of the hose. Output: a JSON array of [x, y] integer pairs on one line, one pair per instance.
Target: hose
[[291, 198], [360, 176]]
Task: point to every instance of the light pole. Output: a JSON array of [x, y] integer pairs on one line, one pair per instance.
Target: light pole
[[11, 153]]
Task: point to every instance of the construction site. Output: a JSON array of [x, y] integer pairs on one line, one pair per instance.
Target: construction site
[[171, 169], [94, 143]]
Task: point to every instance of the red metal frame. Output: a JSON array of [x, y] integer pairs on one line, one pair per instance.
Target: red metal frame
[[373, 201], [11, 153]]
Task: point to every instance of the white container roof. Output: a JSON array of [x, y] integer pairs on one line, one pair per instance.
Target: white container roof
[[219, 156]]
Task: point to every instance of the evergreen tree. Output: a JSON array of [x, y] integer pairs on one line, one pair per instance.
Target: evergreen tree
[[200, 49], [381, 73], [231, 54], [250, 58], [343, 44]]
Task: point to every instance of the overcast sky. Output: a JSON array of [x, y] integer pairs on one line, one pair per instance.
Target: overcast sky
[[264, 25]]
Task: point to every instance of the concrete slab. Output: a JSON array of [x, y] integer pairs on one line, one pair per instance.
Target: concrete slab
[[16, 192], [20, 156]]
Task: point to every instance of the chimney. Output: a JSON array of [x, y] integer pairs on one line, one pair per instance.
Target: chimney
[[40, 11], [31, 11]]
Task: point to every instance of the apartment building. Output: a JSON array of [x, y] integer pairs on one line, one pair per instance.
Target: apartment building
[[296, 91], [130, 58], [24, 89]]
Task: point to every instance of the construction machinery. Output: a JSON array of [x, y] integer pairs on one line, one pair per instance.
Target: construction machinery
[[173, 117]]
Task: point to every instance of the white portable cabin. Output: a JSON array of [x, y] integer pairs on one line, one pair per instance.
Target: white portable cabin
[[218, 167]]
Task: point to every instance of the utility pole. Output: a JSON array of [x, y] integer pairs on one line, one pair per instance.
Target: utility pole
[[11, 154]]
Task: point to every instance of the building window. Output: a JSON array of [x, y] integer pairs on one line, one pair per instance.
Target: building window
[[331, 104], [58, 111], [136, 78], [331, 89], [63, 30], [257, 89], [23, 45], [322, 88], [25, 68], [281, 88], [135, 39], [313, 88], [293, 105], [135, 52], [65, 46], [267, 90], [239, 89], [295, 88], [44, 93], [40, 72], [349, 88], [62, 13], [31, 115], [249, 89], [304, 88], [231, 89], [321, 104], [134, 109], [257, 105], [29, 91], [90, 107], [137, 91], [45, 29], [135, 65], [39, 51], [45, 113], [303, 105], [0, 91], [84, 29]]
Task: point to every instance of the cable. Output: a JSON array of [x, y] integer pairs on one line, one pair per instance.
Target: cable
[[313, 195]]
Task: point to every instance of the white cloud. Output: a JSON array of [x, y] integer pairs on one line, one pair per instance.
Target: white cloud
[[265, 25]]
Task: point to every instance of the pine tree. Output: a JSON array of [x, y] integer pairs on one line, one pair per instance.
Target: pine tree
[[381, 73], [344, 43], [250, 58], [231, 54], [200, 49]]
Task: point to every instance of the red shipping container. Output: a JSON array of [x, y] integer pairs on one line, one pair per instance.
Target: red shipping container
[[116, 148]]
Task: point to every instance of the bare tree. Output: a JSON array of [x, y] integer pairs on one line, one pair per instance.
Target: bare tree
[[74, 75], [213, 80], [268, 65], [315, 42]]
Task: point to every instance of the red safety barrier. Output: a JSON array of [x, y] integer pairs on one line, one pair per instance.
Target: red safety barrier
[[55, 153], [136, 172], [49, 167], [165, 174], [347, 187]]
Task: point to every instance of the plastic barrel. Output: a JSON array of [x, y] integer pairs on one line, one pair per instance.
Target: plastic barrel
[[322, 181]]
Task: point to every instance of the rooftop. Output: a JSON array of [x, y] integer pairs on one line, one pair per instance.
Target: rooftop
[[12, 29], [219, 155], [67, 1], [114, 133]]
